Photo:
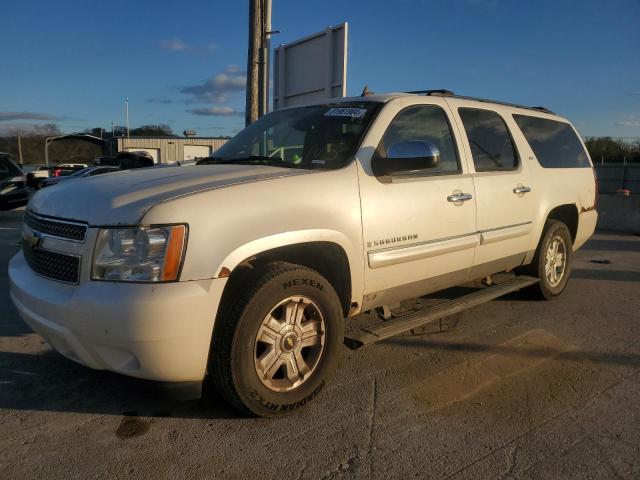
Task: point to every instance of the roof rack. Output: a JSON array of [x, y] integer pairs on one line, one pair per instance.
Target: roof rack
[[448, 93], [433, 93]]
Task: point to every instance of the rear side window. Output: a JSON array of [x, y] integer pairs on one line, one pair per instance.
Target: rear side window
[[491, 145], [555, 144]]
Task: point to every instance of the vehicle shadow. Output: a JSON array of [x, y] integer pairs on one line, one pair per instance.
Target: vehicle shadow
[[606, 275], [613, 245], [51, 383], [606, 358]]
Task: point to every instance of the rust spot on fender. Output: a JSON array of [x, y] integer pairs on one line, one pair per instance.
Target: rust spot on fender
[[587, 209], [355, 308], [224, 272]]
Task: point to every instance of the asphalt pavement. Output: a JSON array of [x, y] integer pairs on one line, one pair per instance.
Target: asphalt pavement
[[510, 389]]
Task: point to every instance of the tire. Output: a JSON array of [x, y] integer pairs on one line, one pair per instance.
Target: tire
[[551, 285], [262, 337]]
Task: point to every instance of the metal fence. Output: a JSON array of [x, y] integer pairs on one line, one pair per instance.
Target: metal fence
[[612, 178]]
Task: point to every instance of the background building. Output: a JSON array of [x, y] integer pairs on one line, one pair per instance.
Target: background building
[[170, 149]]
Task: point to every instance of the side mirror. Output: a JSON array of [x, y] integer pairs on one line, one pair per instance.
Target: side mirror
[[407, 156]]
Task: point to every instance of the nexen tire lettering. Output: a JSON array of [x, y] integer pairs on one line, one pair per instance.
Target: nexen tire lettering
[[276, 407], [302, 281]]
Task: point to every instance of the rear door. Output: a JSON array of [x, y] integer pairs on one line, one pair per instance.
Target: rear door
[[416, 237], [503, 185]]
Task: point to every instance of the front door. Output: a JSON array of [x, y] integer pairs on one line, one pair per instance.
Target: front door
[[419, 228]]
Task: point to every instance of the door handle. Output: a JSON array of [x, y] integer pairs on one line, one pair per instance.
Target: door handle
[[459, 197], [521, 189]]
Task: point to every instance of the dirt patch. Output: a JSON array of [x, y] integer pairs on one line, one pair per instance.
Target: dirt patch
[[132, 426], [483, 369]]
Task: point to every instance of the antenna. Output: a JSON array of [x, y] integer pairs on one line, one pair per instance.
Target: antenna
[[366, 92]]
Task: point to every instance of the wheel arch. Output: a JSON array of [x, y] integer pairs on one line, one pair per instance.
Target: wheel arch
[[567, 214], [326, 253]]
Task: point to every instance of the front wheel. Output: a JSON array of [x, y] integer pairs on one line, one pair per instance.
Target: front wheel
[[552, 261], [274, 350]]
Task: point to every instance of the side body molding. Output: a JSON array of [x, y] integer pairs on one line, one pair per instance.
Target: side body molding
[[393, 256], [505, 233]]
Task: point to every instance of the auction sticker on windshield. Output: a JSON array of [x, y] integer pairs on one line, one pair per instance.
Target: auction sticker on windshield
[[346, 112]]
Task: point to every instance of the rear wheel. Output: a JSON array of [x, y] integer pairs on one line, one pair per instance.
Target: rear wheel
[[552, 261], [274, 350]]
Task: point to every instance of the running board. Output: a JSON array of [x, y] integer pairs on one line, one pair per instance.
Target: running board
[[390, 328]]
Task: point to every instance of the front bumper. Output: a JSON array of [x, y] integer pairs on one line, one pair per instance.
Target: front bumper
[[157, 332]]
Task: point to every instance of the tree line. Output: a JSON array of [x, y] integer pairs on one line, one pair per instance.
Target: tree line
[[31, 141], [613, 150]]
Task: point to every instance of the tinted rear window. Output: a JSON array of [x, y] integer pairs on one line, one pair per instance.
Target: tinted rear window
[[555, 144]]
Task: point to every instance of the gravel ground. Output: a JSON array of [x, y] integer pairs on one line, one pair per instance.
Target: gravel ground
[[510, 389]]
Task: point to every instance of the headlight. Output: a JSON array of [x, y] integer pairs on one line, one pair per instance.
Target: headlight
[[139, 254]]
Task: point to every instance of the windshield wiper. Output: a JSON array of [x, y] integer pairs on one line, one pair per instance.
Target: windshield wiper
[[249, 160], [208, 160]]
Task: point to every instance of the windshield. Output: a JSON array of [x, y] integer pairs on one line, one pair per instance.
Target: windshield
[[318, 137]]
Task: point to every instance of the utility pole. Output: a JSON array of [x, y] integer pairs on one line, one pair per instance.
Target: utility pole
[[253, 59], [126, 112], [265, 39], [20, 150]]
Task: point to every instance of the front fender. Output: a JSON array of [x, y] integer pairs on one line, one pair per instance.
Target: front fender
[[270, 242]]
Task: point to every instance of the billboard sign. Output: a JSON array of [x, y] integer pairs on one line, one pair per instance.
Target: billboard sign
[[311, 68]]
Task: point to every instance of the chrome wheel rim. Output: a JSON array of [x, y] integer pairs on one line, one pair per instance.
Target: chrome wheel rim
[[289, 344], [556, 261]]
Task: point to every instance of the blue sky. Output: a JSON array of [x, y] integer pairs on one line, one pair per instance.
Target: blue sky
[[73, 62]]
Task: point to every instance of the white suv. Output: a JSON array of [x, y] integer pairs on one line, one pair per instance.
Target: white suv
[[240, 271]]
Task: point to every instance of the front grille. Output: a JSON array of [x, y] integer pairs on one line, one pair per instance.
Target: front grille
[[55, 228], [54, 265]]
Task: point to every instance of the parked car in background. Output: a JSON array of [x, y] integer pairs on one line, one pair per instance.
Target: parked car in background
[[186, 163], [36, 169], [35, 173], [13, 184], [128, 160], [85, 172], [64, 169]]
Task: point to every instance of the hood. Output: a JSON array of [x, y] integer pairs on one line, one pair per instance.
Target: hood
[[122, 198]]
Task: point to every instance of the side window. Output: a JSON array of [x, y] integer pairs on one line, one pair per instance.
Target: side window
[[554, 143], [424, 122], [491, 145], [7, 167]]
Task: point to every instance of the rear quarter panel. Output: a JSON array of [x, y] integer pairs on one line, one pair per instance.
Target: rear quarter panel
[[558, 186]]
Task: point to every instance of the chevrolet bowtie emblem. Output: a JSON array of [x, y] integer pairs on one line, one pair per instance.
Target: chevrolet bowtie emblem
[[31, 238]]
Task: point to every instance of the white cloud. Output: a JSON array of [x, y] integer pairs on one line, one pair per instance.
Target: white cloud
[[180, 45], [12, 116], [215, 111], [218, 87], [629, 121], [175, 45]]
